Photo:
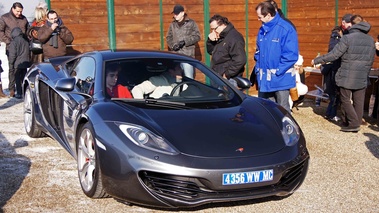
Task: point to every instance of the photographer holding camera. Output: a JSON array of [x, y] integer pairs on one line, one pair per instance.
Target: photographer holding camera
[[54, 36]]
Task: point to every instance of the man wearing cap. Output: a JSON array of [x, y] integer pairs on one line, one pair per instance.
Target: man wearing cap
[[346, 23], [182, 36]]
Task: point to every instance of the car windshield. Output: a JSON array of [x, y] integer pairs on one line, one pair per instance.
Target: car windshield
[[165, 80]]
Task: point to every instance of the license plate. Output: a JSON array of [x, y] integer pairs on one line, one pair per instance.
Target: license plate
[[247, 177]]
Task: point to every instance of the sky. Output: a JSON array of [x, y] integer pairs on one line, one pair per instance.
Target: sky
[[29, 6]]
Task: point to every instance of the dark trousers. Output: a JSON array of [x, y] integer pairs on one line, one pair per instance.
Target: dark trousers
[[19, 75], [352, 113], [12, 79], [281, 97]]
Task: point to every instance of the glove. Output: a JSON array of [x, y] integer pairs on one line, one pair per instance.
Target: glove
[[181, 44], [176, 47]]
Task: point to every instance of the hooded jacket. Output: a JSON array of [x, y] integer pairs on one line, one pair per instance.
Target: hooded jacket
[[228, 53], [54, 44], [7, 22], [18, 50], [357, 52], [277, 52], [187, 32]]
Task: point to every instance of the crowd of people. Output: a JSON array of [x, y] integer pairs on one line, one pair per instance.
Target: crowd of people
[[278, 63], [26, 44]]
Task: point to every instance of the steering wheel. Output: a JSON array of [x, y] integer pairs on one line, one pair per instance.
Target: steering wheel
[[180, 86]]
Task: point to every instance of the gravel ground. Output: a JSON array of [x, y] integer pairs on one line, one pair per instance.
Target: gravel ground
[[37, 175]]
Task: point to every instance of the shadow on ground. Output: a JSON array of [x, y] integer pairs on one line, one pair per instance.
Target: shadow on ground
[[13, 168]]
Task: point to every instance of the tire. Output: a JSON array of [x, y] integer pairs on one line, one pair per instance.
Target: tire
[[88, 163], [30, 124]]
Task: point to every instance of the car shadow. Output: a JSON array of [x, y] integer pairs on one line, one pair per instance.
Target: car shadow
[[13, 168]]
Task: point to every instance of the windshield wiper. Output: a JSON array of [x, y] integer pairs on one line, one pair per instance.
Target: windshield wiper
[[154, 102]]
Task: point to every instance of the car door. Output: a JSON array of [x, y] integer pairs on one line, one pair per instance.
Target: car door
[[84, 73]]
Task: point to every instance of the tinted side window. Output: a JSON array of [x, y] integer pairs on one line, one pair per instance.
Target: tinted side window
[[84, 72]]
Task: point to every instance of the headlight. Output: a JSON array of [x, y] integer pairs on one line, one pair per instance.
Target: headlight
[[144, 138], [290, 131]]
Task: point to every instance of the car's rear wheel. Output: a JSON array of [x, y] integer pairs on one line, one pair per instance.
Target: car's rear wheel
[[30, 125], [88, 163]]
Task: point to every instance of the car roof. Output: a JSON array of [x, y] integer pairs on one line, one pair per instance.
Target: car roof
[[139, 53]]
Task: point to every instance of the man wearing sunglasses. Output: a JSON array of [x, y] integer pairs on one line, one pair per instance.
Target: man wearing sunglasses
[[227, 47]]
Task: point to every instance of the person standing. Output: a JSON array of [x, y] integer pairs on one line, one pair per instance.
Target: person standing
[[329, 71], [357, 51], [227, 47], [19, 60], [39, 21], [277, 52], [55, 36], [182, 36], [8, 21]]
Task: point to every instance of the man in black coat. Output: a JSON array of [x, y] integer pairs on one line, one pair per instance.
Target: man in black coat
[[357, 52], [227, 47]]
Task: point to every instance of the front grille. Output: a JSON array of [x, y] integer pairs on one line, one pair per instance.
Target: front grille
[[171, 185], [291, 175], [190, 189]]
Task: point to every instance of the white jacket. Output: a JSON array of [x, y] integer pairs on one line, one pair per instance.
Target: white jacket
[[156, 86]]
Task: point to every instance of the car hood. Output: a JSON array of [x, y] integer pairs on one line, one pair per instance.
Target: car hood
[[246, 130]]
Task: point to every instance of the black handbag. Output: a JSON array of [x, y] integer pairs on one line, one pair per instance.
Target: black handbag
[[36, 46]]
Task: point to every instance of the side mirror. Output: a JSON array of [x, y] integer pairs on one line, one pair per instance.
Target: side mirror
[[65, 84], [242, 83]]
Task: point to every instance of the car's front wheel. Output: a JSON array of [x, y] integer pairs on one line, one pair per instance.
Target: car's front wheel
[[88, 163], [30, 125]]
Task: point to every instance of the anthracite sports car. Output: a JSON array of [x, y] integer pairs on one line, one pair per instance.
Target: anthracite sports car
[[198, 140]]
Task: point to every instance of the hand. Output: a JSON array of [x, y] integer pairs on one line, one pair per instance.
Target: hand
[[181, 44], [175, 47], [377, 45], [212, 36], [53, 26], [312, 62]]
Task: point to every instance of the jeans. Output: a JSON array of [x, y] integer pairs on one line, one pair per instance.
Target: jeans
[[331, 110], [281, 97]]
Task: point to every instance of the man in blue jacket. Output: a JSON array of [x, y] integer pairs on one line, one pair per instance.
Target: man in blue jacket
[[277, 52]]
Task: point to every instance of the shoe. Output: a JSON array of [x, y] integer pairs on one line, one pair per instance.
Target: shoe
[[18, 96], [11, 93], [350, 129], [2, 95], [335, 118]]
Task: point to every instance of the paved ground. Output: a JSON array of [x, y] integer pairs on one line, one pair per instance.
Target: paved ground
[[37, 175]]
